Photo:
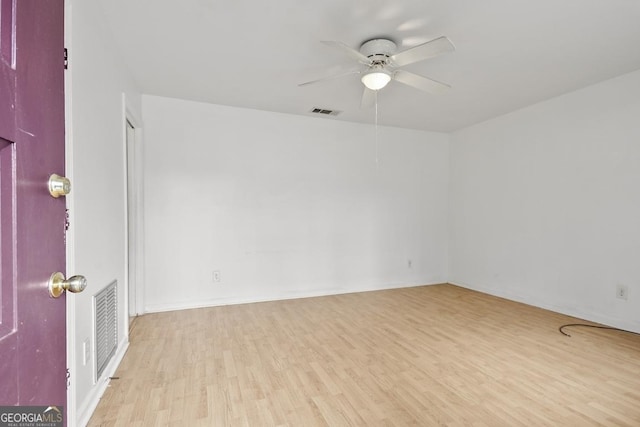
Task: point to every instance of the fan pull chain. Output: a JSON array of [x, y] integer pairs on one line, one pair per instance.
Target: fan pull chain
[[376, 127]]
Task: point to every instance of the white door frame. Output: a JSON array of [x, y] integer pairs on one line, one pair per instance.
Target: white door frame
[[134, 213], [71, 409]]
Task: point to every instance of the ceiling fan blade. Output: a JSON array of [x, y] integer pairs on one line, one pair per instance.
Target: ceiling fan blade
[[423, 51], [419, 82], [335, 76], [368, 98], [349, 51]]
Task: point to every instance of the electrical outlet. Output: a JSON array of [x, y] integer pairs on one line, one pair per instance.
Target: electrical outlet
[[622, 292], [216, 276]]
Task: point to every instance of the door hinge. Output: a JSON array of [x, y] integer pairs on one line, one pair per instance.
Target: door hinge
[[66, 58], [68, 378], [67, 223]]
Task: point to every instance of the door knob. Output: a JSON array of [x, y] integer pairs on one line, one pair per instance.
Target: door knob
[[58, 284], [59, 186]]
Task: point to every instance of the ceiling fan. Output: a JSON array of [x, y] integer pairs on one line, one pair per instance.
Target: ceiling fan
[[383, 65]]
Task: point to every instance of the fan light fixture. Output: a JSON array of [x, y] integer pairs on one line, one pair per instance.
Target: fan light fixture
[[376, 80]]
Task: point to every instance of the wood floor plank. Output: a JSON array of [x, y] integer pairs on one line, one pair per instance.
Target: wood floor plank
[[432, 355]]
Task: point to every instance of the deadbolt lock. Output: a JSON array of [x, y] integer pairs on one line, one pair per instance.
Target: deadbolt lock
[[59, 185]]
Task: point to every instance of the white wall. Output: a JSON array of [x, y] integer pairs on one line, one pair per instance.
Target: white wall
[[96, 81], [286, 206], [545, 204]]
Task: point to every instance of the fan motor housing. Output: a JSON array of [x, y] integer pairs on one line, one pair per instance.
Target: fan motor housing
[[378, 49]]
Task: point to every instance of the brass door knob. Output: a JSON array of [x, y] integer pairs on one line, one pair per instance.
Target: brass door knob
[[59, 186], [58, 284]]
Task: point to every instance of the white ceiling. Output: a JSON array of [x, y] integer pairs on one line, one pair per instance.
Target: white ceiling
[[253, 53]]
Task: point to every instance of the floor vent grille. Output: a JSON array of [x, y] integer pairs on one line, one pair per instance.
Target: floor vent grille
[[106, 307]]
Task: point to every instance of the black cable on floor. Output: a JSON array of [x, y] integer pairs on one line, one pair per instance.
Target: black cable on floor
[[592, 326]]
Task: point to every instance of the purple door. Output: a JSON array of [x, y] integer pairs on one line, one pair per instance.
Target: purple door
[[32, 324]]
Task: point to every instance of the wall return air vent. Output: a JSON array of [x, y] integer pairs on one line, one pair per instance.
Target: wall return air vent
[[106, 322], [325, 111]]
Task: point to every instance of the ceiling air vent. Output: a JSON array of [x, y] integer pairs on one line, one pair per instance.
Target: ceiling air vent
[[325, 111]]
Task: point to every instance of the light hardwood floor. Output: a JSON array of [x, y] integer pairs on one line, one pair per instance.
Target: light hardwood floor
[[428, 356]]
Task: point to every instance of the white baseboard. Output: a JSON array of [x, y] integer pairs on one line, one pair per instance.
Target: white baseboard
[[573, 311], [90, 403], [215, 302]]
